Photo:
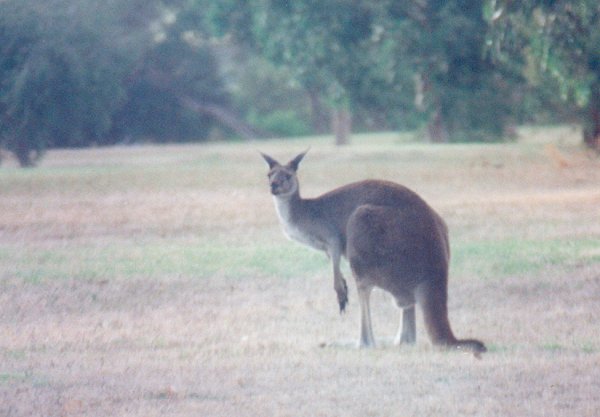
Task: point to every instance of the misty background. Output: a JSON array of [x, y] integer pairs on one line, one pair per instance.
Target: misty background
[[86, 73]]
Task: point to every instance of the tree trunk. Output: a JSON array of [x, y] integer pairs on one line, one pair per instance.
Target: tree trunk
[[318, 113], [341, 124], [591, 133], [23, 154], [436, 128]]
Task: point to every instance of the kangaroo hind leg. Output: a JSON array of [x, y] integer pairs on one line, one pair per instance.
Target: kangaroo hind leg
[[407, 330], [366, 329]]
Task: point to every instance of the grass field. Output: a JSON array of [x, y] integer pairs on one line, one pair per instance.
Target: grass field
[[155, 281]]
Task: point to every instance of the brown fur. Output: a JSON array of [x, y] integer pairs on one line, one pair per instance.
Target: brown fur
[[392, 239]]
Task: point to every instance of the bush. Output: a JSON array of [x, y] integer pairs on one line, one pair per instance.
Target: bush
[[280, 123]]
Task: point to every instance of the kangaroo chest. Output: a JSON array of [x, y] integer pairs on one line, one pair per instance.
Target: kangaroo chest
[[295, 229]]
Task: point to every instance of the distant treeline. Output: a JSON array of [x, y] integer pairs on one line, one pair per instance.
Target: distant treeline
[[81, 73]]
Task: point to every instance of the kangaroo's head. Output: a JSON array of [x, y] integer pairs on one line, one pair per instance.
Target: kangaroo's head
[[282, 178]]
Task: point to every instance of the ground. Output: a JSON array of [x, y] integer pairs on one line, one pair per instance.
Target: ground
[[155, 281]]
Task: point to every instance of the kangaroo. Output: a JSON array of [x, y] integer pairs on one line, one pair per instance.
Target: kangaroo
[[392, 239]]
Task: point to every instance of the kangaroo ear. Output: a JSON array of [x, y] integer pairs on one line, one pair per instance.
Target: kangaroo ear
[[296, 161], [269, 160]]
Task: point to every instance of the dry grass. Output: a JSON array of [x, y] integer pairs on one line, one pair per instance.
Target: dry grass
[[154, 281]]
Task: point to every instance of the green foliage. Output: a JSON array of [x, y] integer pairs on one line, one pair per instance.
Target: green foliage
[[369, 55], [60, 77], [175, 67], [319, 42], [94, 73], [280, 122], [268, 96], [85, 73], [444, 42], [561, 41]]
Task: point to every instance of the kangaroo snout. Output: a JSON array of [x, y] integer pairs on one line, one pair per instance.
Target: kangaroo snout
[[276, 188]]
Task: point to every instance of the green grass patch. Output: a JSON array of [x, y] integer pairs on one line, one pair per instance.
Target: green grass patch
[[205, 258], [155, 260], [500, 258], [553, 347], [588, 348], [13, 377]]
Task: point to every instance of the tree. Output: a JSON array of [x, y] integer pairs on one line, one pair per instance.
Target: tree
[[60, 75], [455, 84], [174, 91], [560, 40], [318, 43], [404, 58], [75, 74], [322, 44]]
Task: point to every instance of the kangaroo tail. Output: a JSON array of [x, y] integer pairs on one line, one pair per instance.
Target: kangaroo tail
[[473, 345], [433, 300]]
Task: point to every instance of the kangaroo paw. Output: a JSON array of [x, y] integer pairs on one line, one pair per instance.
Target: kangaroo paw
[[342, 295]]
